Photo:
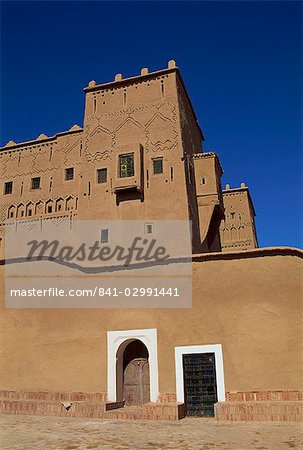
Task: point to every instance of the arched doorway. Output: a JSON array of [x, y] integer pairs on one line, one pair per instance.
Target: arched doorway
[[132, 373]]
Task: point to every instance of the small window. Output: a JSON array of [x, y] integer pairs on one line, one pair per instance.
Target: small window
[[8, 187], [102, 175], [148, 228], [203, 180], [36, 183], [30, 212], [126, 165], [49, 209], [232, 215], [158, 165], [104, 236], [11, 214], [69, 174]]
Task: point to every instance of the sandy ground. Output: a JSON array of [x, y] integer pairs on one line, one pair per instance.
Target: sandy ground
[[35, 432]]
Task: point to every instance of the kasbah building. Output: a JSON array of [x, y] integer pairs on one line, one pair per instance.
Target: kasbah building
[[236, 354]]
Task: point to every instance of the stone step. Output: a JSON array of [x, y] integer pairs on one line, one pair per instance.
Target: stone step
[[260, 411], [126, 413], [53, 408], [79, 404]]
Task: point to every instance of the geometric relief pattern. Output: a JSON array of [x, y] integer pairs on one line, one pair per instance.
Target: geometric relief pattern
[[99, 141], [28, 158], [3, 211], [154, 126], [40, 158], [30, 225], [160, 133], [70, 151], [9, 164], [128, 132], [235, 235], [50, 207]]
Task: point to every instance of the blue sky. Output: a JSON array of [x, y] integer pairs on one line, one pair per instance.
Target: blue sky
[[241, 62]]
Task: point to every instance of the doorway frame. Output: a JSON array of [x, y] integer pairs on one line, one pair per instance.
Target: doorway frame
[[187, 350], [114, 341]]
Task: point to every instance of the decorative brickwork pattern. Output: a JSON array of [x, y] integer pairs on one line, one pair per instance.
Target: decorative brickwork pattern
[[126, 413], [256, 396], [54, 396], [80, 404], [164, 411], [260, 411], [168, 398]]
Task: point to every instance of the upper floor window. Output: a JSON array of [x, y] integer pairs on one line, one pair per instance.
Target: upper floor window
[[69, 173], [8, 187], [126, 165], [35, 183], [102, 175], [158, 165], [104, 236], [148, 228]]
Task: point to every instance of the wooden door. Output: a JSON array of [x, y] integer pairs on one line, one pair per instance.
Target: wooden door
[[136, 390]]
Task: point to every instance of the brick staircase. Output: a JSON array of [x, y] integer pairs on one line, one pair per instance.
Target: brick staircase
[[261, 406], [79, 404], [148, 411], [260, 411], [66, 404], [127, 412], [240, 406]]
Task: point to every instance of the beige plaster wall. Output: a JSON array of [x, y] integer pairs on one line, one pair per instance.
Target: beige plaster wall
[[252, 306]]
